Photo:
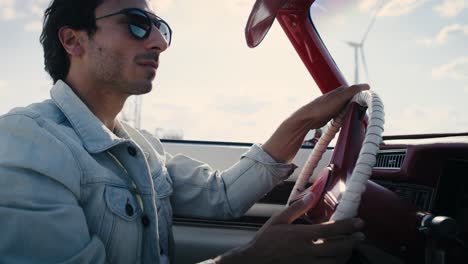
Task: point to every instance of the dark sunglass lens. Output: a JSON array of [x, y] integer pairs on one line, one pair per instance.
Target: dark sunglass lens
[[164, 29], [138, 18], [139, 23], [137, 31]]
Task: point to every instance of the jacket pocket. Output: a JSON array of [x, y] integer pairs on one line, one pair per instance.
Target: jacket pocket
[[122, 203], [123, 214]]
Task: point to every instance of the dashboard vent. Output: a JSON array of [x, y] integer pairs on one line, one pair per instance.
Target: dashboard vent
[[390, 159]]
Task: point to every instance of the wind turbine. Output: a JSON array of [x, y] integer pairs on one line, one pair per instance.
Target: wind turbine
[[359, 48]]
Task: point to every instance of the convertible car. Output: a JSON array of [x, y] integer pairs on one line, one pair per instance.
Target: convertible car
[[397, 156], [410, 189]]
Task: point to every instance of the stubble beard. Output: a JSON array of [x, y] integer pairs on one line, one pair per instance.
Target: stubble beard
[[107, 70]]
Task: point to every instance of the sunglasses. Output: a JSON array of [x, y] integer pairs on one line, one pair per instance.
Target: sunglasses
[[141, 22]]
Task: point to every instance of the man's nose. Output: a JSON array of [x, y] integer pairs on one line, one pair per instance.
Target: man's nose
[[156, 40]]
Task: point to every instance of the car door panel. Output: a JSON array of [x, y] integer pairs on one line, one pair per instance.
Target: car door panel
[[200, 239]]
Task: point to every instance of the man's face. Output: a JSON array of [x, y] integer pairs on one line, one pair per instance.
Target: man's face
[[115, 58]]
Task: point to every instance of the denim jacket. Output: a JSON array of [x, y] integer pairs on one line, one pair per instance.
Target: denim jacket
[[72, 191]]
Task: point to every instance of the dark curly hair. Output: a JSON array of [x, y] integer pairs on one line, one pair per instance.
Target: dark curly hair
[[76, 14]]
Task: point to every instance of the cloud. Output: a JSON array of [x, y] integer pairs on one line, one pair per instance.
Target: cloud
[[239, 7], [399, 7], [161, 6], [248, 113], [6, 3], [457, 70], [7, 10], [367, 5], [450, 8], [444, 34], [8, 13], [34, 26], [423, 119], [37, 9], [15, 10], [465, 89]]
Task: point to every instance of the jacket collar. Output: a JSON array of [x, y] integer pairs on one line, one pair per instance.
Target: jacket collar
[[96, 137]]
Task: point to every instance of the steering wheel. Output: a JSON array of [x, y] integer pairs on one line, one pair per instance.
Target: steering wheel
[[340, 196], [342, 190]]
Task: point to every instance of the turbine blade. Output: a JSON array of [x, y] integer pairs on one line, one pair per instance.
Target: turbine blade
[[364, 63], [351, 43], [369, 28], [374, 17]]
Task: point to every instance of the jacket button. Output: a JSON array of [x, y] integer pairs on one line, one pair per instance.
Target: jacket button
[[132, 151], [129, 209], [145, 220]]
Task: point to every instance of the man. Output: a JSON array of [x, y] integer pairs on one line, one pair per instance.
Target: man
[[78, 186]]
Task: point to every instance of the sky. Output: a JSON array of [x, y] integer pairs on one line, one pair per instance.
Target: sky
[[417, 55], [211, 86]]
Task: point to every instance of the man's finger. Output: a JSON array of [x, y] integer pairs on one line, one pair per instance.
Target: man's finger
[[330, 229], [343, 94], [354, 89], [294, 211]]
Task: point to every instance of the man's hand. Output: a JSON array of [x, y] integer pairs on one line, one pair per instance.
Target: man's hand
[[287, 139], [321, 110], [279, 241]]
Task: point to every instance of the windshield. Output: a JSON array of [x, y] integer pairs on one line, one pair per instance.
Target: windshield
[[413, 53]]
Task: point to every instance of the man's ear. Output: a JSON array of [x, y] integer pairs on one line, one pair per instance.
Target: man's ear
[[72, 41]]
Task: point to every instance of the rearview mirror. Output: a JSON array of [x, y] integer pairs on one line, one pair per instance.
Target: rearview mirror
[[260, 20]]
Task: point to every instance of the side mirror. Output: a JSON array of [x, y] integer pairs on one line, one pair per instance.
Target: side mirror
[[260, 20]]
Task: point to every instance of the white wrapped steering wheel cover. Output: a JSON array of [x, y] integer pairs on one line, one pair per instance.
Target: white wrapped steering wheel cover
[[356, 183]]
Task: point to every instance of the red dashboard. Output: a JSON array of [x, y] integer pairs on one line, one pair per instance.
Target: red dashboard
[[432, 177]]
